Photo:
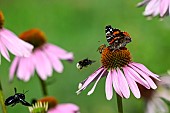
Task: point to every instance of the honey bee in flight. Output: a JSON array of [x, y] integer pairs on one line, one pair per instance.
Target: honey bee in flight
[[101, 48]]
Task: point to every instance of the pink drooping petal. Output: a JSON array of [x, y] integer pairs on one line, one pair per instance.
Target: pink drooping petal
[[161, 106], [15, 45], [163, 7], [13, 68], [4, 50], [145, 70], [150, 107], [31, 64], [151, 6], [144, 2], [27, 77], [54, 110], [59, 52], [93, 88], [115, 82], [108, 86], [145, 76], [90, 79], [169, 7], [123, 85], [164, 85], [165, 80], [64, 108], [156, 11], [11, 44], [42, 64], [70, 106], [58, 66], [21, 69], [67, 56], [132, 84], [135, 76], [26, 68], [156, 105], [56, 63]]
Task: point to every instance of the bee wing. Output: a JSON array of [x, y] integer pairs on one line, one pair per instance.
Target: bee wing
[[25, 103]]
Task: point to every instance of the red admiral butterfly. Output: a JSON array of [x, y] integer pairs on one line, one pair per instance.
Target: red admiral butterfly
[[116, 38]]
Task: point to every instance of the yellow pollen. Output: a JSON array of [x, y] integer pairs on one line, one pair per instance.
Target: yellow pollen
[[34, 37], [1, 19], [113, 59]]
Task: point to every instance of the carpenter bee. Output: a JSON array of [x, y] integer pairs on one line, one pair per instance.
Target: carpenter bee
[[84, 63], [17, 98]]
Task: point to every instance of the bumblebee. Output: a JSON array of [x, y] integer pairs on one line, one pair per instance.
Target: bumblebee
[[84, 63], [116, 38]]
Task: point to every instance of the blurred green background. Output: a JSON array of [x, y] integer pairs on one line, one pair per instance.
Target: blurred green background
[[78, 26]]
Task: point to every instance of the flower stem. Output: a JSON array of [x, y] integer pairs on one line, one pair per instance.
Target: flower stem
[[119, 104], [43, 86], [2, 100]]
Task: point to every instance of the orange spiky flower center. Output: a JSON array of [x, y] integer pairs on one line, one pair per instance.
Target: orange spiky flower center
[[52, 102], [115, 58], [34, 37], [1, 19]]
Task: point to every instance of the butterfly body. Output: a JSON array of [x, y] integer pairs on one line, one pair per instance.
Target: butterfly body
[[116, 38]]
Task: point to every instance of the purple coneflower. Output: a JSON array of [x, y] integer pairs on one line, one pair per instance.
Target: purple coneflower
[[155, 99], [155, 7], [10, 42], [55, 107], [43, 59], [65, 108], [121, 74]]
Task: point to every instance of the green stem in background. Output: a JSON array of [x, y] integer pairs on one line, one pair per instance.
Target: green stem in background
[[2, 100], [43, 86], [119, 104]]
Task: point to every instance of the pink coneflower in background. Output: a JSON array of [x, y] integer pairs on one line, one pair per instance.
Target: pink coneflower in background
[[65, 108], [10, 42], [155, 99], [43, 59], [155, 7], [55, 107], [121, 74]]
